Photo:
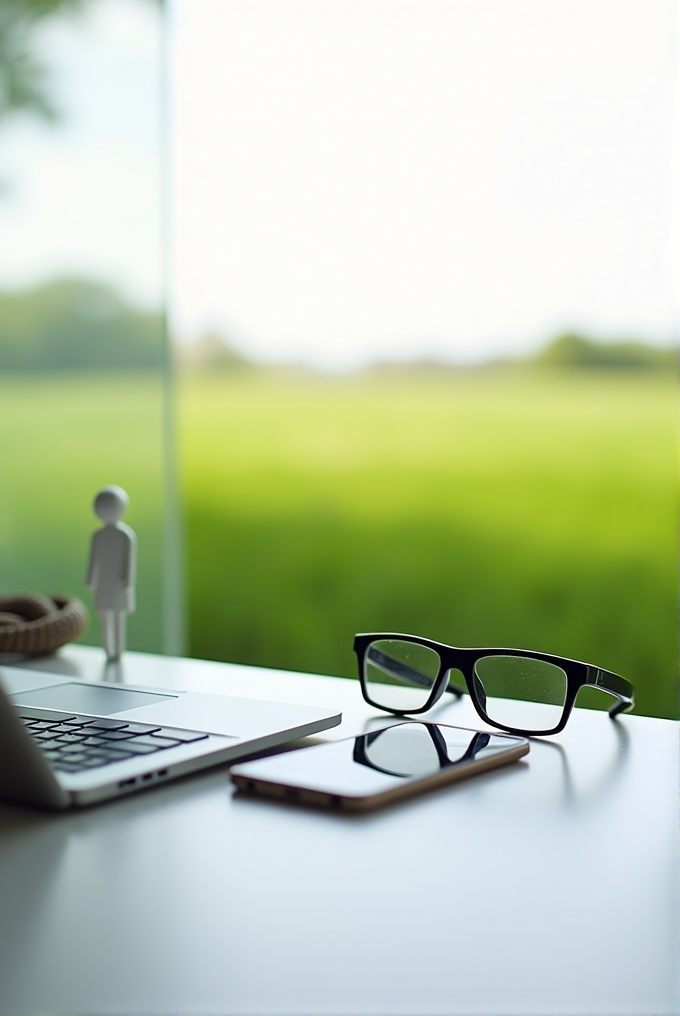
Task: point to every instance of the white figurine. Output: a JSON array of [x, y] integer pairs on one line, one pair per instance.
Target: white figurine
[[111, 571]]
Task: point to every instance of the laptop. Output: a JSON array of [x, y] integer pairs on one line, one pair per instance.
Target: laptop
[[66, 743]]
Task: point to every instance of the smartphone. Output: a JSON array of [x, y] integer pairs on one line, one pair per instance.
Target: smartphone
[[370, 770]]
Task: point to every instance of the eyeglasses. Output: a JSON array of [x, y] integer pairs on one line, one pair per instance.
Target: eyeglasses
[[516, 690]]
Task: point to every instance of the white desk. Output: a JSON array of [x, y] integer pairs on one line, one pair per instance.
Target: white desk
[[549, 887]]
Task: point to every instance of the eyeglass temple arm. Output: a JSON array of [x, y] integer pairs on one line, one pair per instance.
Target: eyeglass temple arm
[[614, 685], [403, 672]]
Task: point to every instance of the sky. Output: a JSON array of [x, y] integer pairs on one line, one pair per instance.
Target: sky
[[351, 180], [82, 196]]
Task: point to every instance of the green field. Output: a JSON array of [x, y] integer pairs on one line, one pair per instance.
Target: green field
[[514, 509], [518, 508], [65, 437]]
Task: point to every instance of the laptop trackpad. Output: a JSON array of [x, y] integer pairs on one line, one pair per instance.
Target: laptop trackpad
[[87, 698]]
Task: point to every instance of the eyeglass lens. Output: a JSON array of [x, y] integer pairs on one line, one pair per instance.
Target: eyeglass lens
[[522, 692], [399, 675], [515, 691]]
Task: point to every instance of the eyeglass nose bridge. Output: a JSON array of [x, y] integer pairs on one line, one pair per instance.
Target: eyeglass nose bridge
[[471, 678], [448, 685]]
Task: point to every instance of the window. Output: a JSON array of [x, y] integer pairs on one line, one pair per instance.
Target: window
[[421, 298], [84, 376]]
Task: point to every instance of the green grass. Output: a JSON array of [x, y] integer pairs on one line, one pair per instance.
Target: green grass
[[65, 437], [521, 509], [528, 509]]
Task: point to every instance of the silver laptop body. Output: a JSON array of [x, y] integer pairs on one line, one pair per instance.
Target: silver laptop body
[[121, 739]]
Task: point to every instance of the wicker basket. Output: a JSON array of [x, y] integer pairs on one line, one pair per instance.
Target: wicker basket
[[35, 624]]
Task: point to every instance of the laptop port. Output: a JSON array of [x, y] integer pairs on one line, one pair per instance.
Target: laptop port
[[128, 783], [147, 776], [162, 772]]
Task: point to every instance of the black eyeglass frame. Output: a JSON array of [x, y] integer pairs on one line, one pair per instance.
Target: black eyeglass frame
[[578, 675]]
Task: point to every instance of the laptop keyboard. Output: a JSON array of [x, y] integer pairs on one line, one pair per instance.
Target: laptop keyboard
[[72, 743]]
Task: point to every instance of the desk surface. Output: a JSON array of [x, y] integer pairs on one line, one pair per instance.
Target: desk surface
[[549, 887]]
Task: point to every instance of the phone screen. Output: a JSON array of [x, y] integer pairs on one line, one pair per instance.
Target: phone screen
[[390, 762]]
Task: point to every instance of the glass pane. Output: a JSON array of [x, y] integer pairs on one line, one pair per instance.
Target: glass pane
[[400, 675], [521, 692], [83, 353], [346, 244]]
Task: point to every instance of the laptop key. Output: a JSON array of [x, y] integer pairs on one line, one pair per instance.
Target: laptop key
[[70, 738], [114, 735], [141, 728], [31, 713], [50, 745], [90, 762], [134, 747], [98, 724], [158, 742], [114, 754], [185, 736], [95, 742]]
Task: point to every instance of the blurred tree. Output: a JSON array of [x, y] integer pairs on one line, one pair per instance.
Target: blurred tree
[[71, 324], [24, 79], [211, 351], [573, 350]]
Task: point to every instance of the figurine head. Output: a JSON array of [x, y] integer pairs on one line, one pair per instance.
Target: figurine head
[[110, 504]]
